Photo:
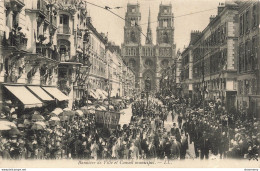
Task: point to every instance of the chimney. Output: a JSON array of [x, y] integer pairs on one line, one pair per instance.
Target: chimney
[[194, 35], [211, 18], [221, 7]]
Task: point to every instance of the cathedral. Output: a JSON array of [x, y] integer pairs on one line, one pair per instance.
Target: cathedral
[[150, 60]]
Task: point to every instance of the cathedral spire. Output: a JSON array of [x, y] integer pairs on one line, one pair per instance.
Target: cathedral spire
[[149, 39]]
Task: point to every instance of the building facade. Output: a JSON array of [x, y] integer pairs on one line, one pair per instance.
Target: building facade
[[72, 44], [213, 57], [187, 66], [248, 96], [148, 61], [98, 59], [29, 55], [114, 71]]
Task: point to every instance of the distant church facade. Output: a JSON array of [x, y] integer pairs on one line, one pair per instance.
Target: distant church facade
[[150, 60]]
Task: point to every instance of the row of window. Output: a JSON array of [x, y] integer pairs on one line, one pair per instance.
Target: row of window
[[248, 55], [248, 20], [212, 42], [215, 63], [98, 49], [97, 67], [246, 87], [131, 51]]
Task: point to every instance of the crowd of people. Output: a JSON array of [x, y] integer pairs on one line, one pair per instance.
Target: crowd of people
[[217, 132], [77, 136]]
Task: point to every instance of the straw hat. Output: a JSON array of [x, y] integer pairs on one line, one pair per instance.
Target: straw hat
[[2, 116]]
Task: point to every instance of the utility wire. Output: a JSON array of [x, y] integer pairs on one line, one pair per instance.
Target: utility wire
[[108, 9], [185, 15]]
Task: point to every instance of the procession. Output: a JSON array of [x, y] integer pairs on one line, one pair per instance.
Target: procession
[[69, 134], [76, 85]]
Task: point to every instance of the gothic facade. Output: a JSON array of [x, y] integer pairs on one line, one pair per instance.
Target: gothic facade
[[150, 60]]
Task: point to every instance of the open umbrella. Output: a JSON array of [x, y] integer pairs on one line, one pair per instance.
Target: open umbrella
[[14, 131], [7, 123], [54, 119], [64, 118], [84, 109], [101, 108], [105, 102], [111, 107], [79, 113], [54, 113], [37, 117], [66, 109], [58, 110], [26, 122], [4, 127], [91, 107], [91, 111], [37, 127], [69, 113], [41, 123], [20, 126]]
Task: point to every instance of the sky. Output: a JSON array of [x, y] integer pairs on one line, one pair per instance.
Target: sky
[[184, 21]]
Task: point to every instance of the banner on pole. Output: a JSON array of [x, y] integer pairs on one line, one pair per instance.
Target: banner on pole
[[107, 118]]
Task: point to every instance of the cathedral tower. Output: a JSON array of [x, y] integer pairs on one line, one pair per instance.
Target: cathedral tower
[[148, 61], [165, 28], [132, 39], [165, 47], [132, 30]]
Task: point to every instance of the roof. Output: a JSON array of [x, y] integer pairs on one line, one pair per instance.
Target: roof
[[94, 30], [227, 6]]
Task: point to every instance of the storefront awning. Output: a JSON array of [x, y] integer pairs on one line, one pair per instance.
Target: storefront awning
[[25, 96], [56, 93], [93, 94], [40, 93], [100, 93], [104, 92]]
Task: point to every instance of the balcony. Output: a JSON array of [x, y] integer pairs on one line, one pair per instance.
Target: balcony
[[15, 40], [41, 6], [64, 30], [19, 3]]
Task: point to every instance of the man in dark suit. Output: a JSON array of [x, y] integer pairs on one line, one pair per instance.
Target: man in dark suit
[[184, 146], [175, 148], [204, 146], [175, 132]]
